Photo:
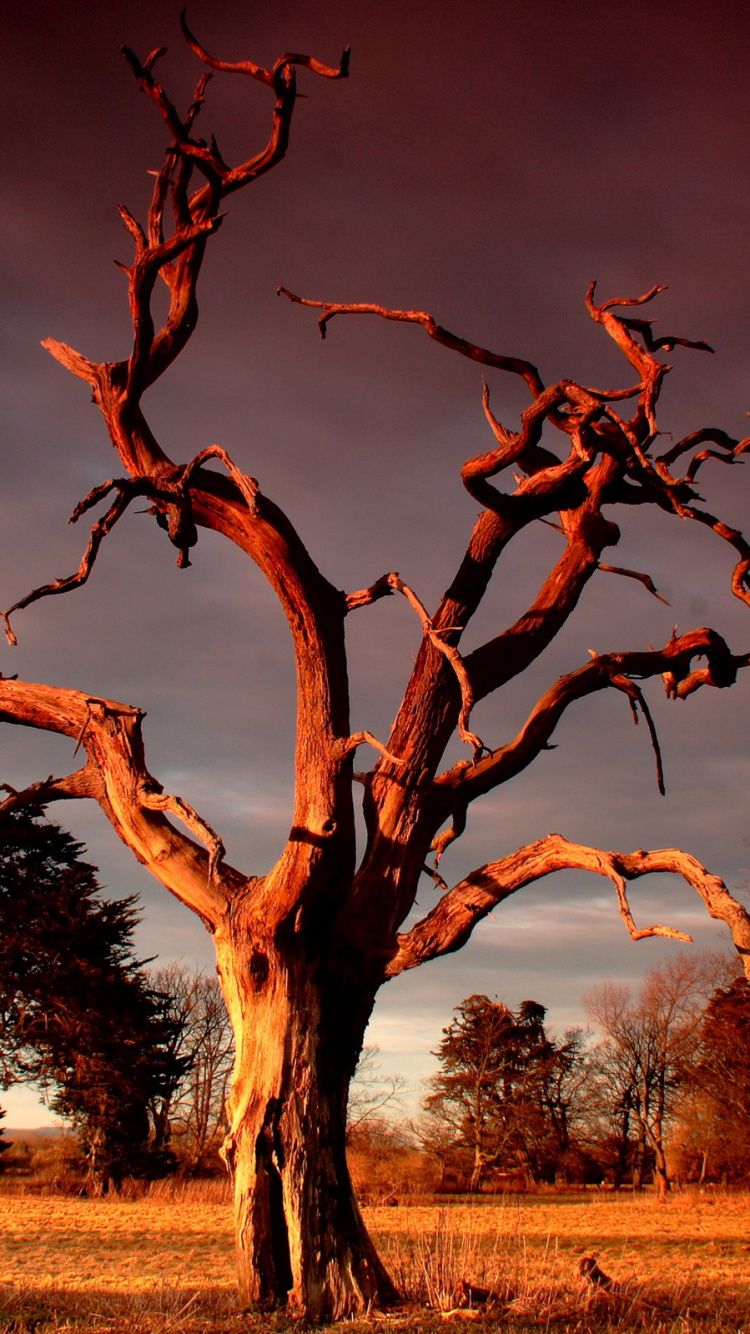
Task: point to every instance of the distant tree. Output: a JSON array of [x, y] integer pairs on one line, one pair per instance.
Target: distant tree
[[196, 1114], [503, 1095], [77, 1013], [386, 1161], [370, 1092], [642, 1066], [563, 1082], [612, 1126], [715, 1117], [5, 1144]]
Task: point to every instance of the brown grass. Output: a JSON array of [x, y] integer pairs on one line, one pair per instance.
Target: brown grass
[[165, 1265]]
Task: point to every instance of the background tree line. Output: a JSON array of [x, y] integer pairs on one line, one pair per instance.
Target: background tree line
[[138, 1061], [663, 1094]]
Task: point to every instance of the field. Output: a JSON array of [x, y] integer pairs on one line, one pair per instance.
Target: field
[[166, 1264]]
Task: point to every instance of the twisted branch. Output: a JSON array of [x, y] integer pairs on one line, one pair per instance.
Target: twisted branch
[[453, 656], [153, 798], [515, 365], [82, 783], [115, 775], [450, 923], [254, 71], [172, 495], [127, 490], [673, 663]]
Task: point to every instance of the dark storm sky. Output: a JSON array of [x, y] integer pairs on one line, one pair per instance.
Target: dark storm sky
[[484, 161]]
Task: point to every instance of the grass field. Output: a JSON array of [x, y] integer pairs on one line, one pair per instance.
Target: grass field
[[167, 1265]]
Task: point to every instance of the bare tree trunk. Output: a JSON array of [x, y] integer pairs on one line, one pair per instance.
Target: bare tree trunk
[[300, 1236], [663, 1183], [476, 1171], [639, 1157], [661, 1174], [623, 1152]]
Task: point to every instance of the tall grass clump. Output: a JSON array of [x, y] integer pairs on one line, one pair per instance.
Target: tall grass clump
[[506, 1280]]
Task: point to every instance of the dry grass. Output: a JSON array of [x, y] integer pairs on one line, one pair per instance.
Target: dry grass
[[677, 1266], [165, 1265]]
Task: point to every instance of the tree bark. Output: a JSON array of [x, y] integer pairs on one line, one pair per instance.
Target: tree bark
[[477, 1172], [300, 1236], [660, 1170], [655, 1136]]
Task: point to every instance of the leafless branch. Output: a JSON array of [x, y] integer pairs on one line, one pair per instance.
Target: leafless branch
[[247, 486], [740, 581], [82, 783], [452, 920], [126, 491], [734, 449], [382, 588], [645, 579], [345, 747], [666, 343], [174, 496], [480, 354], [116, 776], [155, 799], [435, 875], [674, 663], [257, 71], [436, 637], [637, 698]]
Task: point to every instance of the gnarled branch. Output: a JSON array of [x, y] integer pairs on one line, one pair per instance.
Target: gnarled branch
[[437, 637], [127, 489], [674, 663], [116, 776], [254, 71], [82, 783], [451, 921], [475, 353]]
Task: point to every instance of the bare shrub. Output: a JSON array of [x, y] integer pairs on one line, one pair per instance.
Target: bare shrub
[[386, 1164]]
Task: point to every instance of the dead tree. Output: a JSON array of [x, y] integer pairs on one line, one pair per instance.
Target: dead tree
[[303, 950]]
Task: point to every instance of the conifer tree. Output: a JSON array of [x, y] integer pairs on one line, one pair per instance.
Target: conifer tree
[[500, 1096], [5, 1144], [78, 1016]]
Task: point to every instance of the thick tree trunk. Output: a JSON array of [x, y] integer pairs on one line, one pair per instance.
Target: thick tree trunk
[[300, 1237]]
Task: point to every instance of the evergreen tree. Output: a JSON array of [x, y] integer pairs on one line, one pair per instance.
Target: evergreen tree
[[77, 1013], [502, 1098], [5, 1144], [715, 1118]]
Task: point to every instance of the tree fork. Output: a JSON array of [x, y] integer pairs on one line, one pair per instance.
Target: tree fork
[[300, 1237]]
